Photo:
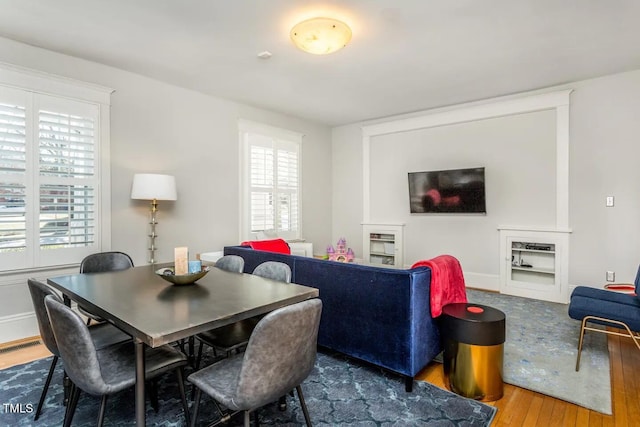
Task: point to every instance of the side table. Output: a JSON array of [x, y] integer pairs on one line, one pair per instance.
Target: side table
[[473, 337]]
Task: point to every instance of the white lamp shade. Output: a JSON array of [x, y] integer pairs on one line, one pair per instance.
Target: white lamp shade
[[149, 186]]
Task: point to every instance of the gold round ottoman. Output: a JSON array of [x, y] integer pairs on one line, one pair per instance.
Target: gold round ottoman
[[473, 336]]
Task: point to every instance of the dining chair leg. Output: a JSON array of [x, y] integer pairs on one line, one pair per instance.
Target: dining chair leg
[[46, 387], [199, 357], [196, 407], [71, 406], [192, 342], [282, 403], [183, 396], [303, 405], [153, 394], [247, 419], [103, 408]]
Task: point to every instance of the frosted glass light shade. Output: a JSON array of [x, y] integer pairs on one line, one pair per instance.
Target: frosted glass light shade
[[320, 35], [149, 186]]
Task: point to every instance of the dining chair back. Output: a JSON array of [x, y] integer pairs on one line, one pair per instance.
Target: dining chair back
[[274, 270], [232, 263], [39, 291], [235, 336], [279, 357], [102, 334], [105, 261], [108, 370], [99, 263]]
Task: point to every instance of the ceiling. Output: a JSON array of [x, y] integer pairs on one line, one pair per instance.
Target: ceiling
[[405, 55]]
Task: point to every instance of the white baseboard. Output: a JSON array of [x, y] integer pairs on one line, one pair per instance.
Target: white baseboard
[[485, 282], [18, 326]]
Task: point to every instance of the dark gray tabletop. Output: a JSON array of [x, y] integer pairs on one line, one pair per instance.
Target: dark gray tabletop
[[156, 312]]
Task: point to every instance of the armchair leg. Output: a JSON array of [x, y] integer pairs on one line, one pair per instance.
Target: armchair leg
[[183, 396], [46, 387], [303, 405], [153, 395], [71, 406], [282, 403], [103, 407], [196, 407], [580, 342], [199, 356]]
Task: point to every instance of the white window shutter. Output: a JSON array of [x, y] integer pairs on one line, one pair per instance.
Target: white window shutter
[[273, 182], [13, 163]]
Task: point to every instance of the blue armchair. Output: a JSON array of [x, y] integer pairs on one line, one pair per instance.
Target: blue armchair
[[607, 308]]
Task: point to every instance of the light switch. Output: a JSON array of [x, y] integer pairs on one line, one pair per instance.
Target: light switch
[[609, 201]]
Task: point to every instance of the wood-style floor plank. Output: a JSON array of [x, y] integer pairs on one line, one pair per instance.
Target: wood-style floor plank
[[23, 355], [518, 407], [531, 420]]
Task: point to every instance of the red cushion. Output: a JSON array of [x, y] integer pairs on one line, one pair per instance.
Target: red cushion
[[274, 245]]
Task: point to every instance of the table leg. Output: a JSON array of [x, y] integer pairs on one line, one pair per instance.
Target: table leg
[[140, 369]]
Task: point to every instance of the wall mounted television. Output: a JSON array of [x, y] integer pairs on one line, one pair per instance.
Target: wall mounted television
[[447, 191]]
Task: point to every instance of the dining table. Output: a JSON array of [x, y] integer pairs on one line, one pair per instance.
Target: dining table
[[156, 312]]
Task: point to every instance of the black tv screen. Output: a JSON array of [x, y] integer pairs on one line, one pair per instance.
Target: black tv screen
[[447, 191]]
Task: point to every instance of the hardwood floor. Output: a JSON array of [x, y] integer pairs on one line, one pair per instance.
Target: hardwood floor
[[518, 406], [521, 407], [21, 351]]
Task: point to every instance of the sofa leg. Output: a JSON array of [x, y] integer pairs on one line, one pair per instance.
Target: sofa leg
[[408, 384]]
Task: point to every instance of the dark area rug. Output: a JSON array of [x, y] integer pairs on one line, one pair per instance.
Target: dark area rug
[[339, 391]]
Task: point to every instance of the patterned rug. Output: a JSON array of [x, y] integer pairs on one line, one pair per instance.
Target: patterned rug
[[340, 391], [541, 348]]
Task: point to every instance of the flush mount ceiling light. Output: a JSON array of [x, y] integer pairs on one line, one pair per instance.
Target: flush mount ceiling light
[[320, 35]]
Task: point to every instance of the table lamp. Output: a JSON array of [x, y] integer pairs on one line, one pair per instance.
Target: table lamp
[[154, 187]]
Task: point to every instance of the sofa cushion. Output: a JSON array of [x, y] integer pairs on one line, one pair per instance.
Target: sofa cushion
[[586, 301]]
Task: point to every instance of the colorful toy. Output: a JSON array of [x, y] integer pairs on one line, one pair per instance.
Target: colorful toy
[[341, 253]]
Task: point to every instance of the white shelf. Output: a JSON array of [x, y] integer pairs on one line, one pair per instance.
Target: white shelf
[[547, 277], [381, 254], [382, 244], [533, 251], [534, 269]]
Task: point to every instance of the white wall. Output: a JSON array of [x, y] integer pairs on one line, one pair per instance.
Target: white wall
[[605, 148], [520, 172], [156, 127], [603, 153]]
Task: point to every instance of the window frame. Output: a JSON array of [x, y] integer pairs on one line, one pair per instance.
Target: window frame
[[35, 87], [246, 127]]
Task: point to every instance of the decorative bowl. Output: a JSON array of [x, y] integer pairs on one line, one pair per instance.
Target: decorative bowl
[[167, 273]]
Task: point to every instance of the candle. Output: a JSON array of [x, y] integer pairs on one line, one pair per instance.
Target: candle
[[181, 260]]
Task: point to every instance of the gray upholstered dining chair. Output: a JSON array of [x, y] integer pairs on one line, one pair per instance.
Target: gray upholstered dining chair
[[279, 357], [110, 369], [102, 334], [274, 270], [99, 263], [232, 263], [236, 335]]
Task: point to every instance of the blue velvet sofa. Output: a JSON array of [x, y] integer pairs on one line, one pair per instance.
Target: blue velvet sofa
[[376, 314]]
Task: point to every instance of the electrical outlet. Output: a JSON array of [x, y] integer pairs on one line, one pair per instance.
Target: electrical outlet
[[609, 201], [611, 276]]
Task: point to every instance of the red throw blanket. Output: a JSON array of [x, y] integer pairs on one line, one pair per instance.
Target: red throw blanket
[[447, 282], [275, 245]]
